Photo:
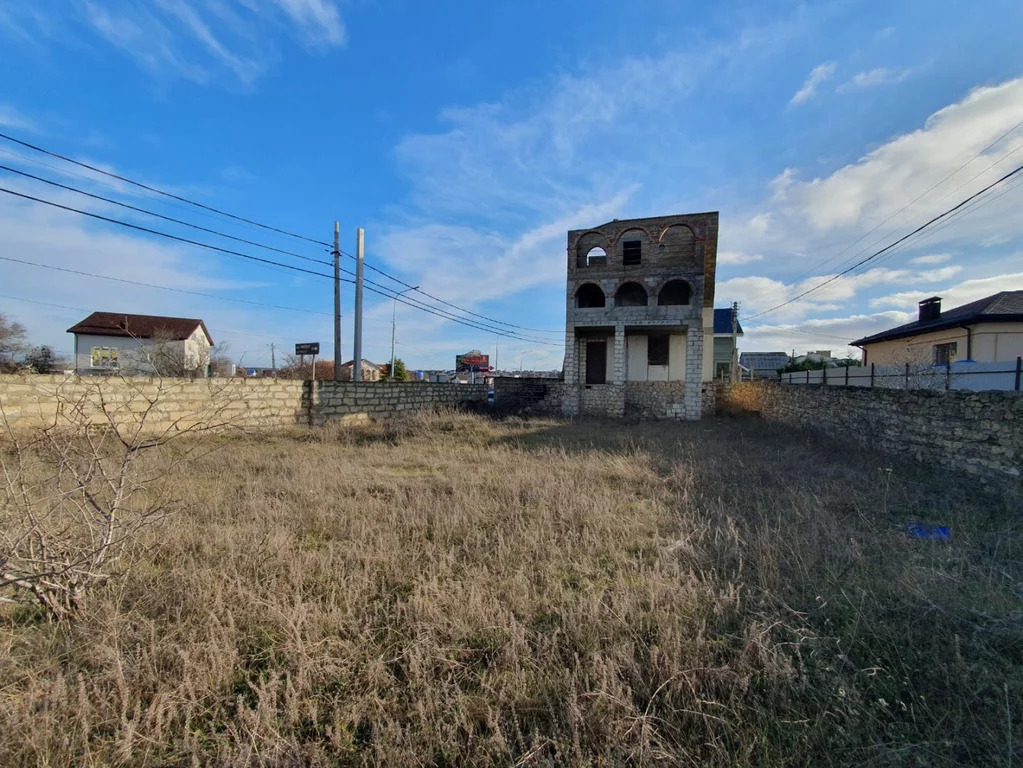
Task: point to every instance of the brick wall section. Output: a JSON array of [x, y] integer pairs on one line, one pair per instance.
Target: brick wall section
[[980, 433], [32, 401]]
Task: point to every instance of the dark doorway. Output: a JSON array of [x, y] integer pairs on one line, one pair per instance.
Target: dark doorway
[[596, 362]]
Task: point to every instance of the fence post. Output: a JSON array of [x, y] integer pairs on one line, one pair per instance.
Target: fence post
[[824, 376], [1019, 369], [907, 375], [807, 375], [871, 375], [847, 375], [948, 375]]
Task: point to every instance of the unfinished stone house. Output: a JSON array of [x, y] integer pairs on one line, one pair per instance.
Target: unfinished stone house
[[640, 300]]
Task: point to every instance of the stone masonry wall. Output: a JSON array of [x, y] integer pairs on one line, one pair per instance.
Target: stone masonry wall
[[980, 433], [527, 396], [33, 401]]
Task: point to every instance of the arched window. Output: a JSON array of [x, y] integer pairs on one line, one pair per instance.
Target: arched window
[[589, 296], [674, 293], [590, 251], [631, 295]]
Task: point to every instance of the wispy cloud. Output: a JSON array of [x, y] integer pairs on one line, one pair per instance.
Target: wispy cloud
[[232, 42], [933, 258], [12, 118], [818, 75], [875, 77]]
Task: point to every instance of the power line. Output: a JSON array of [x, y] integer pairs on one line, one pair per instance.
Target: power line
[[920, 197], [160, 215], [449, 304], [158, 191], [890, 246], [402, 300], [157, 232]]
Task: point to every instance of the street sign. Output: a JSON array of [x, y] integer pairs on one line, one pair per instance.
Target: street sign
[[313, 348]]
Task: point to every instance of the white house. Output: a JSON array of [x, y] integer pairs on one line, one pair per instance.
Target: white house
[[110, 343]]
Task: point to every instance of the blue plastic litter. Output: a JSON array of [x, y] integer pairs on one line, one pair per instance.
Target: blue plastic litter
[[920, 531]]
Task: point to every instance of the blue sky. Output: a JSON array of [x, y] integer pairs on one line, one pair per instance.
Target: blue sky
[[467, 138]]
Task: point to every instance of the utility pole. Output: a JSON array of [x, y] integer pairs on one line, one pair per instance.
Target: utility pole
[[394, 313], [735, 341], [338, 360], [273, 359], [497, 351], [360, 237]]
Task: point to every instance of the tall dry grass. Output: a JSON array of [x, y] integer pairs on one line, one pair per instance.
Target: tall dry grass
[[452, 591]]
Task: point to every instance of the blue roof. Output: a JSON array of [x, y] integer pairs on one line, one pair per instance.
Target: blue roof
[[723, 321]]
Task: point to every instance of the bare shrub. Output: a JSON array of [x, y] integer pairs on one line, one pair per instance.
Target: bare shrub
[[76, 494]]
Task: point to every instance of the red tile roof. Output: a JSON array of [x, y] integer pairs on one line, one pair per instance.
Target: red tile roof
[[139, 326]]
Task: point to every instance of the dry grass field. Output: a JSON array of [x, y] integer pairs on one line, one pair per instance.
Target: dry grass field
[[454, 591]]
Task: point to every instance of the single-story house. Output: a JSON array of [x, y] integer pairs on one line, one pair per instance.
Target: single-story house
[[985, 331], [370, 371], [108, 343]]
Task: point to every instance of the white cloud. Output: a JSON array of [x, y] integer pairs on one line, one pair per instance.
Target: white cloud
[[894, 174], [955, 295], [818, 75], [734, 258], [933, 258], [875, 77]]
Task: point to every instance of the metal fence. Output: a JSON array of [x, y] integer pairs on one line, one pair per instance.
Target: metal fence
[[961, 375]]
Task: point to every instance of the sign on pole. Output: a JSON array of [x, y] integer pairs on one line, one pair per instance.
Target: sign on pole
[[313, 348]]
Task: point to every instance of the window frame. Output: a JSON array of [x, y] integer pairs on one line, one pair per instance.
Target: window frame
[[632, 253], [658, 340]]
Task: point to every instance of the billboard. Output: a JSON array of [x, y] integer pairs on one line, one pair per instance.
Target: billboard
[[472, 361]]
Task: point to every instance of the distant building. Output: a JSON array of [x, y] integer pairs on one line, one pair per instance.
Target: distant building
[[115, 343], [763, 363], [370, 371], [723, 343], [985, 331]]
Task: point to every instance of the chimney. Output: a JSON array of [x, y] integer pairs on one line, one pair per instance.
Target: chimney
[[930, 309]]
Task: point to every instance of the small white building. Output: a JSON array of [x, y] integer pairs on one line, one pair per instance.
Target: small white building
[[115, 343]]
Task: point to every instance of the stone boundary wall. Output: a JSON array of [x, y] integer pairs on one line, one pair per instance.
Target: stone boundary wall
[[979, 433], [30, 401], [528, 396], [664, 400]]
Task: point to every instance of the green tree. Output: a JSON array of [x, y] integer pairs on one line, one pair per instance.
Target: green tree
[[12, 342], [400, 371]]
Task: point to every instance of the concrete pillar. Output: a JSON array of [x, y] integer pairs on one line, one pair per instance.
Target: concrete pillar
[[694, 374], [616, 403], [573, 373]]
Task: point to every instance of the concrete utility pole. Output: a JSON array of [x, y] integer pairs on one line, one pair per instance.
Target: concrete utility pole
[[360, 242], [273, 358], [735, 341], [394, 314], [337, 302]]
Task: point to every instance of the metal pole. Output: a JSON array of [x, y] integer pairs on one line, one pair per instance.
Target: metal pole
[[1019, 370], [314, 369], [338, 360], [360, 238], [735, 341], [394, 310], [871, 375]]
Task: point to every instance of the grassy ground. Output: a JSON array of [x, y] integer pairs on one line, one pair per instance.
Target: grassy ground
[[461, 592]]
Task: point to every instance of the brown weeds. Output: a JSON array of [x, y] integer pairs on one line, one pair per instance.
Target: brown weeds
[[452, 591]]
